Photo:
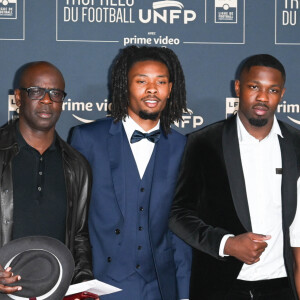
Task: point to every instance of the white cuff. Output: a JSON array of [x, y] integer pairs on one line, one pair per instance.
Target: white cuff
[[295, 240], [222, 244]]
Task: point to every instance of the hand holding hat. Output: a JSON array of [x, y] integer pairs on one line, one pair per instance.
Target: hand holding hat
[[7, 277], [45, 265]]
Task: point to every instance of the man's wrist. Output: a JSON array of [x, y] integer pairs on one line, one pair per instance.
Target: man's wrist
[[222, 244]]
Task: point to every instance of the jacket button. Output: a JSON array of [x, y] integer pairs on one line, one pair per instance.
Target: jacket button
[[137, 266], [70, 204], [109, 259], [140, 228], [141, 208], [142, 189], [139, 247], [117, 231]]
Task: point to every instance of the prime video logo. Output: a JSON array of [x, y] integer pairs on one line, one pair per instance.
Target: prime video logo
[[161, 12]]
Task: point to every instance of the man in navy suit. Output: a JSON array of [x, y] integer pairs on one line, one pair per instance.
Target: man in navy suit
[[135, 157]]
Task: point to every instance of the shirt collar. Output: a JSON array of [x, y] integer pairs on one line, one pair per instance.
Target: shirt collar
[[22, 143], [244, 135], [130, 126]]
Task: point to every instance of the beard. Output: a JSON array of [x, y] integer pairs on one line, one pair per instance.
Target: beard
[[258, 122], [148, 116]]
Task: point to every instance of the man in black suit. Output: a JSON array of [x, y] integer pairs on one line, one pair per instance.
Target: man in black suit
[[237, 191]]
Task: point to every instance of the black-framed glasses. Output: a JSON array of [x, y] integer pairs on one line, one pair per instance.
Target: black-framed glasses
[[38, 93]]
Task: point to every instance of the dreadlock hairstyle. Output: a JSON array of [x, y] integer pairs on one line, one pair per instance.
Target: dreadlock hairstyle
[[176, 104]]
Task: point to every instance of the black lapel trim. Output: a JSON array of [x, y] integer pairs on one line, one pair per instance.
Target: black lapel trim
[[235, 174]]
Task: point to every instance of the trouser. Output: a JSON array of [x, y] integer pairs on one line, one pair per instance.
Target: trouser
[[272, 289]]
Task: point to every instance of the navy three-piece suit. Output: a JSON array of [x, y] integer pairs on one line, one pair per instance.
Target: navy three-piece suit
[[128, 219]]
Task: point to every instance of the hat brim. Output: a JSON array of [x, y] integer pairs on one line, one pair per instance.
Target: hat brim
[[58, 249]]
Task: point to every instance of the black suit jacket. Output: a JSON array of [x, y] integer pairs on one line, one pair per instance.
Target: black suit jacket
[[211, 201]]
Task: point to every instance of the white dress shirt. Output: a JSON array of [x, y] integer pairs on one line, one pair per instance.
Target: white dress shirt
[[141, 150], [263, 187]]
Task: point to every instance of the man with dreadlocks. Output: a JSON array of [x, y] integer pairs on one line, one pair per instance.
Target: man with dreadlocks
[[135, 157]]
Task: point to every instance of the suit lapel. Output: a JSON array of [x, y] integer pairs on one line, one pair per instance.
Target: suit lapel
[[115, 154], [235, 174], [289, 177], [161, 167]]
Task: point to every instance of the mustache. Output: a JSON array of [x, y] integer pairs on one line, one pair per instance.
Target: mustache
[[260, 105], [44, 111], [151, 97]]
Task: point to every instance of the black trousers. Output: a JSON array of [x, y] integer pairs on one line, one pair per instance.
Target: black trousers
[[273, 289]]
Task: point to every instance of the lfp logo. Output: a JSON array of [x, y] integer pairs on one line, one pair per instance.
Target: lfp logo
[[225, 11], [232, 106], [161, 12], [8, 9], [12, 108]]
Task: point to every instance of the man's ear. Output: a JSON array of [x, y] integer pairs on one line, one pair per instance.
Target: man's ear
[[17, 94], [237, 88], [282, 93], [170, 89]]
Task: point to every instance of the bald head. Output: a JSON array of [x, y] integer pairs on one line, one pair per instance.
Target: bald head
[[32, 70]]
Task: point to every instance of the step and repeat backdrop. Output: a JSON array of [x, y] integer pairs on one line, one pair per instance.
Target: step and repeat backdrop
[[210, 37]]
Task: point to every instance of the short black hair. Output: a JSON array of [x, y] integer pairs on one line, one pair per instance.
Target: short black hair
[[265, 60], [128, 56]]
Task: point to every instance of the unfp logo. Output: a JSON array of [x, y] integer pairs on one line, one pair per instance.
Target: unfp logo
[[225, 11], [8, 9], [232, 106], [168, 12]]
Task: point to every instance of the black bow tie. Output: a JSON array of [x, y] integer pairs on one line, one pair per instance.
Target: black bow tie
[[152, 136]]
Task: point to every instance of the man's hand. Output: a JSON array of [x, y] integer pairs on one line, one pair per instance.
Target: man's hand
[[7, 277], [247, 247]]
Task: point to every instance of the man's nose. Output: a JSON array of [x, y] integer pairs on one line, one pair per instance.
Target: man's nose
[[46, 99], [151, 88], [263, 95]]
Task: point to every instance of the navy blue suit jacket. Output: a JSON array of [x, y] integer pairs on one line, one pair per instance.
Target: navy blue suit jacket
[[101, 143]]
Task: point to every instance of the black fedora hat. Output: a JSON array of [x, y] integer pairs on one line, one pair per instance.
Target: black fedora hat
[[45, 265]]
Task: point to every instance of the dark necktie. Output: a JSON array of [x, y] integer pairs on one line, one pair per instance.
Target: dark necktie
[[152, 136]]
